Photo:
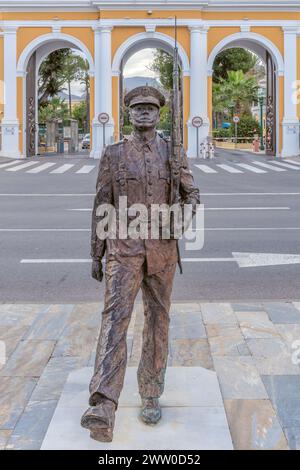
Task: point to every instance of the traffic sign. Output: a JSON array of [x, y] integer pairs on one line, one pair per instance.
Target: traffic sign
[[236, 119], [103, 118], [197, 121]]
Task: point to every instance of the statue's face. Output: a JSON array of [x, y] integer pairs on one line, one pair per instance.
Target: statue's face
[[144, 116]]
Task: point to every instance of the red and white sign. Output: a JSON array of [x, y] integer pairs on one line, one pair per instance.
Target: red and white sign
[[236, 119], [103, 118], [197, 121]]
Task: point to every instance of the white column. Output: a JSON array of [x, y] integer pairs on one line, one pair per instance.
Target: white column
[[10, 123], [290, 121], [198, 87], [103, 89]]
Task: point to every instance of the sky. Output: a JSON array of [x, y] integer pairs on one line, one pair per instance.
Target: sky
[[136, 66]]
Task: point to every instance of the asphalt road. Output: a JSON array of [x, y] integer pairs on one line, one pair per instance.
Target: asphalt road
[[46, 216]]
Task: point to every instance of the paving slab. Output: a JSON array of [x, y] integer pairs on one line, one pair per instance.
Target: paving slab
[[254, 425], [239, 378], [282, 312]]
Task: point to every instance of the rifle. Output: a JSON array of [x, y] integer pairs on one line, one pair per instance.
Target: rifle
[[175, 128], [175, 153]]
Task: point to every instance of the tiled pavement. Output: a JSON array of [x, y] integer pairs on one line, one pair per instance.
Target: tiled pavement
[[249, 345]]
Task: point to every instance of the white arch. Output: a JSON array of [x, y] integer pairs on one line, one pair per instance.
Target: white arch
[[46, 38], [251, 37], [146, 39]]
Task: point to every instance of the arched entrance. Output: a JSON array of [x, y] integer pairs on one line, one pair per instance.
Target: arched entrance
[[137, 43], [272, 58], [28, 67]]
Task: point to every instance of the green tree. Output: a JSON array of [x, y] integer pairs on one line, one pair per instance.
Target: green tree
[[247, 127], [163, 65], [51, 80], [54, 109], [72, 72], [235, 94], [233, 59], [84, 78], [79, 113]]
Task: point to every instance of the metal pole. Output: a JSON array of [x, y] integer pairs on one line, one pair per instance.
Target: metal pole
[[261, 125], [197, 142], [235, 128], [104, 135]]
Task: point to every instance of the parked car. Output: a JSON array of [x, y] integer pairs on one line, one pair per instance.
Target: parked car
[[164, 133], [85, 144]]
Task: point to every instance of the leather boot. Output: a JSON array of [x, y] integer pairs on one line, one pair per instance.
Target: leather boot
[[100, 420], [151, 410]]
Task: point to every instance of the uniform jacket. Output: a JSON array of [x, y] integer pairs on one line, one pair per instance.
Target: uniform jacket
[[140, 170]]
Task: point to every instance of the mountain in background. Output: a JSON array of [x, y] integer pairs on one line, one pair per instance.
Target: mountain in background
[[133, 82]]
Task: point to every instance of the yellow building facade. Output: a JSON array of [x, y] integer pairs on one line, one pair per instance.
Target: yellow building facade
[[109, 32]]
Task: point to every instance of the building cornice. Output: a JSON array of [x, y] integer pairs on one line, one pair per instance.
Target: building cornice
[[94, 5], [166, 22]]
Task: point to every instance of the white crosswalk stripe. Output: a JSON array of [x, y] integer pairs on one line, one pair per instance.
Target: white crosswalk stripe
[[267, 165], [229, 168], [86, 169], [206, 169], [21, 167], [286, 165], [291, 161], [15, 162], [62, 168], [40, 168], [251, 168]]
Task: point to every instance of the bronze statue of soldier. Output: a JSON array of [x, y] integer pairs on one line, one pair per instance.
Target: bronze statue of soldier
[[137, 167]]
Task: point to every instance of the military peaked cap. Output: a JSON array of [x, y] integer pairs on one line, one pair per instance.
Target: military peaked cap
[[144, 94]]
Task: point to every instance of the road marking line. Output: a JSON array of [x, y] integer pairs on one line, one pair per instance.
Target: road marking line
[[243, 260], [228, 168], [45, 230], [80, 210], [248, 194], [267, 165], [208, 260], [15, 162], [291, 161], [251, 168], [243, 208], [221, 229], [48, 194], [62, 169], [206, 169], [212, 209], [207, 229], [67, 260], [40, 168], [286, 165], [21, 167], [86, 169], [93, 194]]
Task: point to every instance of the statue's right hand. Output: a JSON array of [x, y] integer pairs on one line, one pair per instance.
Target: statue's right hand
[[97, 271]]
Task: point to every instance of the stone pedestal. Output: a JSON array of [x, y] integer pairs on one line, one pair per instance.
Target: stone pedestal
[[193, 416]]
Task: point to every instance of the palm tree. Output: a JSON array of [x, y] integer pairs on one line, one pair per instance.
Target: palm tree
[[85, 80], [71, 72], [237, 92]]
